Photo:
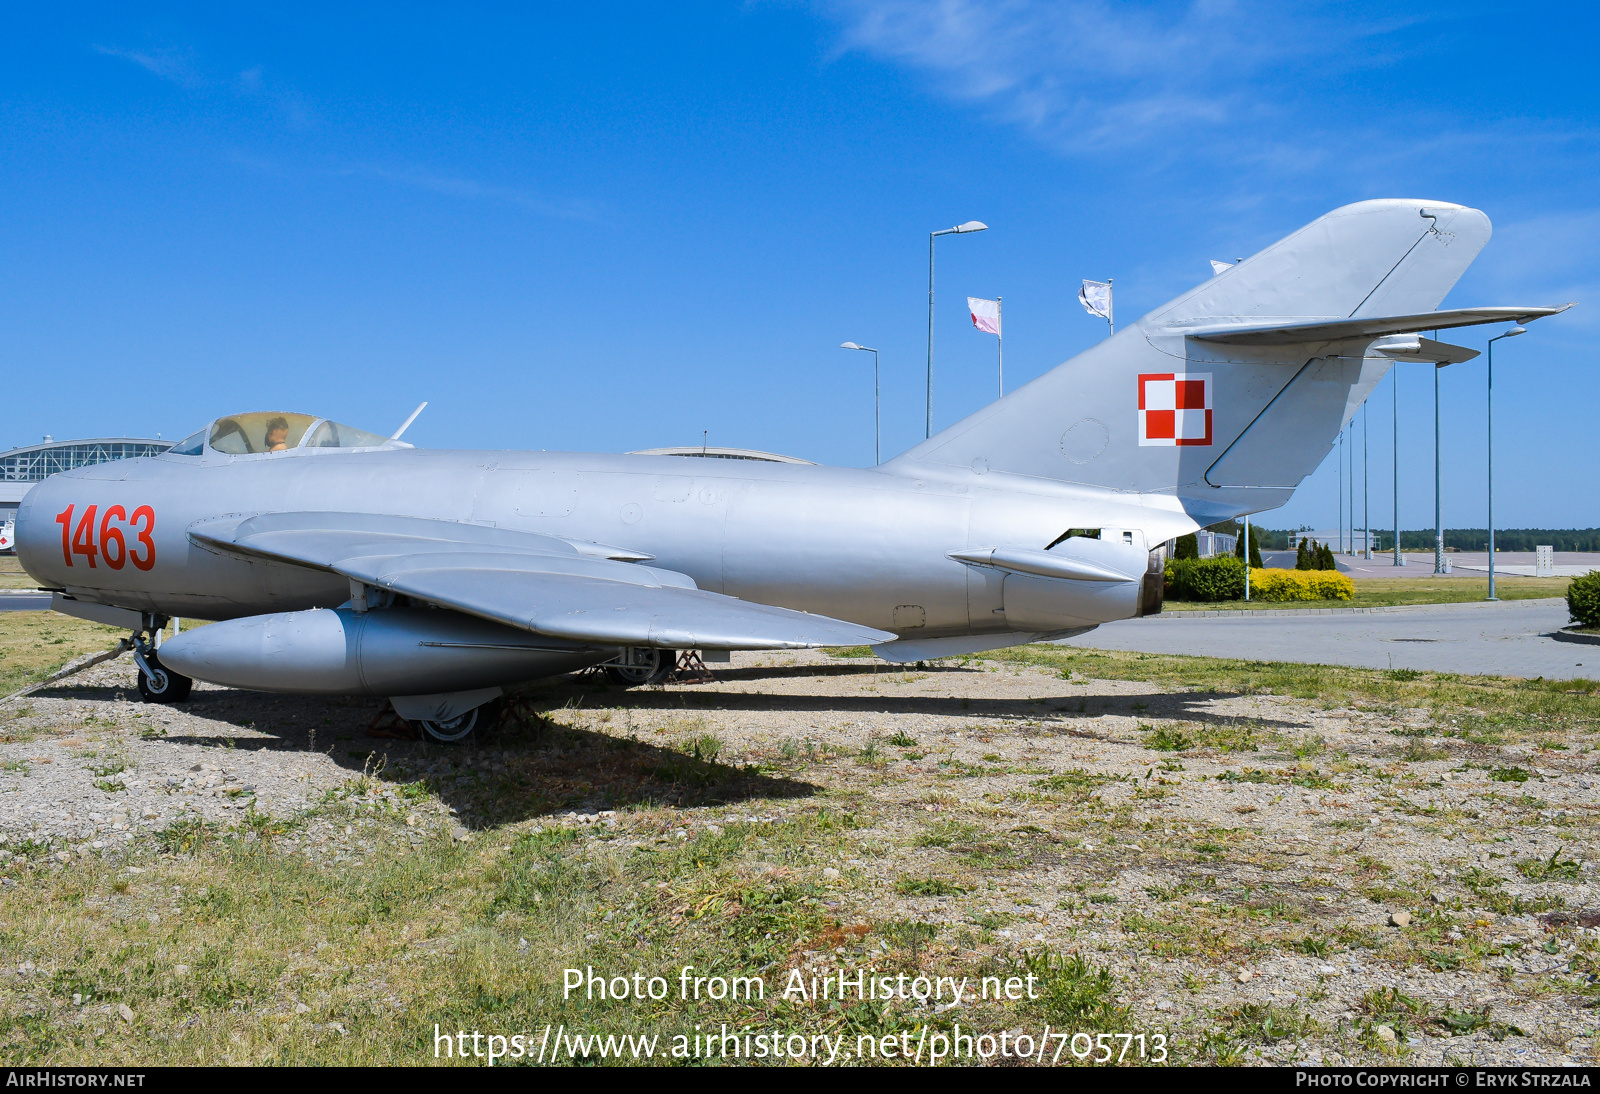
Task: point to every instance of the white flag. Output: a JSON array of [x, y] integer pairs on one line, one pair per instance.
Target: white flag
[[985, 314], [1218, 267], [1095, 296]]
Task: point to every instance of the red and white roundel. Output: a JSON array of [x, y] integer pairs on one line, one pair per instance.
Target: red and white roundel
[[1175, 408]]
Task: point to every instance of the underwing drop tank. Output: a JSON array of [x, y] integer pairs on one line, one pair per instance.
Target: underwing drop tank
[[388, 652]]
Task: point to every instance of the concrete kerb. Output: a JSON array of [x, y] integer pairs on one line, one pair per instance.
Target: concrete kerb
[[1567, 635], [1181, 613]]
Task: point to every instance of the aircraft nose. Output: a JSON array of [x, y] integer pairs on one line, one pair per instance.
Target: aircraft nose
[[33, 531]]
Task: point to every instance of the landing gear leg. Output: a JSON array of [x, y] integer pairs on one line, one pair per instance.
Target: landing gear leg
[[157, 684]]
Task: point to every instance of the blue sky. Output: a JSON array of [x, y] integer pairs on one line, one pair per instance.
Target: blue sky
[[604, 227]]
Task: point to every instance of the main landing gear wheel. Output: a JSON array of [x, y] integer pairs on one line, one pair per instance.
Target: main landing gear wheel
[[453, 730], [162, 685], [653, 668]]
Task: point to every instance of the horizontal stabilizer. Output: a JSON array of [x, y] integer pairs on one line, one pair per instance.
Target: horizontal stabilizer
[[1425, 349], [1338, 330]]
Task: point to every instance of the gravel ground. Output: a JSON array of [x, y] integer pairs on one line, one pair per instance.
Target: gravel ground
[[1232, 859]]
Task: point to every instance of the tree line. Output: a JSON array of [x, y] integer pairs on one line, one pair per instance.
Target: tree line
[[1462, 539]]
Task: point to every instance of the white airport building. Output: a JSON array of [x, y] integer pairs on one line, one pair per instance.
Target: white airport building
[[21, 468]]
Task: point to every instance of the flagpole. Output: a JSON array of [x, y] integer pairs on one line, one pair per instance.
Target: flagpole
[[1111, 307], [1000, 345]]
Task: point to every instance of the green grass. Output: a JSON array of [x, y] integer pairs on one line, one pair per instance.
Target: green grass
[[1505, 705], [12, 575], [35, 644], [930, 886], [1551, 868], [1229, 738], [232, 948], [1384, 592]]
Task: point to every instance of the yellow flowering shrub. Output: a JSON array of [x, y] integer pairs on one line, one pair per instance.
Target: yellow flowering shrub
[[1268, 584]]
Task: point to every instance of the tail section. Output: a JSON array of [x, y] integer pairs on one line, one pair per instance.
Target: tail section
[[1231, 394]]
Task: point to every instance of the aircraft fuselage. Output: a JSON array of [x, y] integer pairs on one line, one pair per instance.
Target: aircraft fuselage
[[868, 545]]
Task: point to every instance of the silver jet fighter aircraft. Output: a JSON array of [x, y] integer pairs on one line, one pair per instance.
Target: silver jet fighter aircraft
[[341, 562]]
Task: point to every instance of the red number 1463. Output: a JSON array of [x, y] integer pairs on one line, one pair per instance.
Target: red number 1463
[[110, 545]]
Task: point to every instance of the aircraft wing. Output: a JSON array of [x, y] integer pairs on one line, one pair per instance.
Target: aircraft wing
[[545, 584], [1333, 330]]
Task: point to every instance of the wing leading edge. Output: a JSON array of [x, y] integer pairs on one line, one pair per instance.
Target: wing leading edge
[[544, 584]]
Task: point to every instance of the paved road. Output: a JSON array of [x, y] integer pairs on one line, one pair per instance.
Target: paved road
[[1464, 564], [1511, 638]]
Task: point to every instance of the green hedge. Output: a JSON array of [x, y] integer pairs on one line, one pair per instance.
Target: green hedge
[[1205, 579], [1583, 599]]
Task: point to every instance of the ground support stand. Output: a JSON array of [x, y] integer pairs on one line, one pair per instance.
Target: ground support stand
[[691, 669], [386, 723]]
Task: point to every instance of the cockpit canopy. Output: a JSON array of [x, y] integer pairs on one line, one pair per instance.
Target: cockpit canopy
[[269, 431]]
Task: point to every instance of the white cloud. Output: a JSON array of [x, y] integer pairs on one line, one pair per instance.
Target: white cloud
[[1087, 75], [1091, 77], [1254, 105], [175, 65], [473, 190], [417, 178]]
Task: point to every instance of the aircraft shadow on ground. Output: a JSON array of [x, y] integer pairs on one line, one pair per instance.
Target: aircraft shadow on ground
[[1186, 706], [529, 766], [512, 771]]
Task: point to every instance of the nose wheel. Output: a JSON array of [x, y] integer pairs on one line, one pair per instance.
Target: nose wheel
[[158, 684]]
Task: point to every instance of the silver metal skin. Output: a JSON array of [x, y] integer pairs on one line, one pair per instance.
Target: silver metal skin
[[378, 568], [401, 651]]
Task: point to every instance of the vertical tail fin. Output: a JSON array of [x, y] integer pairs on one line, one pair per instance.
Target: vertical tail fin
[[1231, 427]]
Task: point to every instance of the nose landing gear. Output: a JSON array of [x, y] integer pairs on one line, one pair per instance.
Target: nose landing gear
[[157, 683]]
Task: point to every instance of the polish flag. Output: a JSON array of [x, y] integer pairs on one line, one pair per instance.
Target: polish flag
[[985, 314]]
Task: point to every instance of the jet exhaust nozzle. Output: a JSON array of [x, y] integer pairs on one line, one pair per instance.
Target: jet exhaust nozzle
[[392, 651]]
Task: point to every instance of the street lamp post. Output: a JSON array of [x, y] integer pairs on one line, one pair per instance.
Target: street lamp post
[[959, 229], [1339, 459], [1366, 491], [1351, 467], [1438, 515], [1512, 333], [1395, 496], [877, 403]]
